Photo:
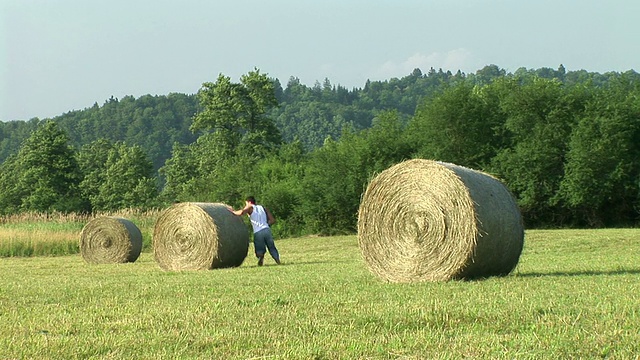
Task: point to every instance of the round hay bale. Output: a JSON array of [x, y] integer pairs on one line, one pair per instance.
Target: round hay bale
[[199, 236], [423, 220], [108, 240]]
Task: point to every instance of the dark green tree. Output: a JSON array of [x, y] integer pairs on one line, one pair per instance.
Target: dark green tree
[[277, 181], [460, 125], [336, 174], [540, 115], [13, 134], [10, 198], [47, 175], [602, 177], [385, 143], [179, 171], [128, 180], [333, 181], [488, 74], [236, 113], [235, 132], [92, 159], [312, 122]]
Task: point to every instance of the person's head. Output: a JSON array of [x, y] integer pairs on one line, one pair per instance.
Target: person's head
[[251, 200]]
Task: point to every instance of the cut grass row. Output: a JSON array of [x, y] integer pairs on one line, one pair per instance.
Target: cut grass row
[[573, 295]]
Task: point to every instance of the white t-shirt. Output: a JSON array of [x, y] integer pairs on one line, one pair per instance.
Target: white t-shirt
[[258, 218]]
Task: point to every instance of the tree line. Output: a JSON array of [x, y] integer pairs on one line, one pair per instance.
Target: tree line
[[565, 143]]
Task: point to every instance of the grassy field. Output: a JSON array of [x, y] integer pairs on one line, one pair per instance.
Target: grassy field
[[574, 294]]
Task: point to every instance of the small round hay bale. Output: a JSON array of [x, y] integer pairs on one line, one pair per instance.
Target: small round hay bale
[[423, 220], [199, 236], [109, 240]]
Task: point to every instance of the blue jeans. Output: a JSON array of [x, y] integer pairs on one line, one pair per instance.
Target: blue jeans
[[263, 241]]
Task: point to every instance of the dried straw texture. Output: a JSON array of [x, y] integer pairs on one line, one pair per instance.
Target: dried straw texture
[[109, 240], [199, 236], [423, 220]]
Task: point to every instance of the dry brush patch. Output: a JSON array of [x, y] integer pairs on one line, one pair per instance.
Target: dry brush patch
[[35, 242], [36, 234]]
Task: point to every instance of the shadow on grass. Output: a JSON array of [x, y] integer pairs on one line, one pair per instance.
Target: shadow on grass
[[297, 263], [581, 273]]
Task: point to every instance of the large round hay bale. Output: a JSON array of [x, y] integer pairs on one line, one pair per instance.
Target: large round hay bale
[[110, 239], [199, 236], [423, 220]]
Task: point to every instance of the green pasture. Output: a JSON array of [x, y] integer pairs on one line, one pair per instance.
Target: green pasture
[[573, 295]]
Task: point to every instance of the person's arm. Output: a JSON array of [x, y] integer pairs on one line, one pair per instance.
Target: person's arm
[[270, 219], [246, 210]]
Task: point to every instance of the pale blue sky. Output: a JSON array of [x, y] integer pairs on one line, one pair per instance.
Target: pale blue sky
[[62, 55]]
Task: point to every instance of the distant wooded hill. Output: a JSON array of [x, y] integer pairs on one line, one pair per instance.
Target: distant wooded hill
[[308, 114], [565, 143]]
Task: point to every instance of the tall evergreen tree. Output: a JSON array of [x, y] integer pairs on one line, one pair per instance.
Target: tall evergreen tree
[[10, 198], [128, 180], [47, 173], [92, 159]]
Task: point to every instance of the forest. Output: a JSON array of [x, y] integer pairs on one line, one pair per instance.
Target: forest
[[566, 143]]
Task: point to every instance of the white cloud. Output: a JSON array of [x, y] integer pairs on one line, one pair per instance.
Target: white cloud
[[453, 60]]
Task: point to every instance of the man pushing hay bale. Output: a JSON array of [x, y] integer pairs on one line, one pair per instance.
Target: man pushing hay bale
[[108, 240], [199, 236], [423, 220]]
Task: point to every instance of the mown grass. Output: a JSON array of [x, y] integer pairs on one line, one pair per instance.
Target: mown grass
[[573, 295]]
